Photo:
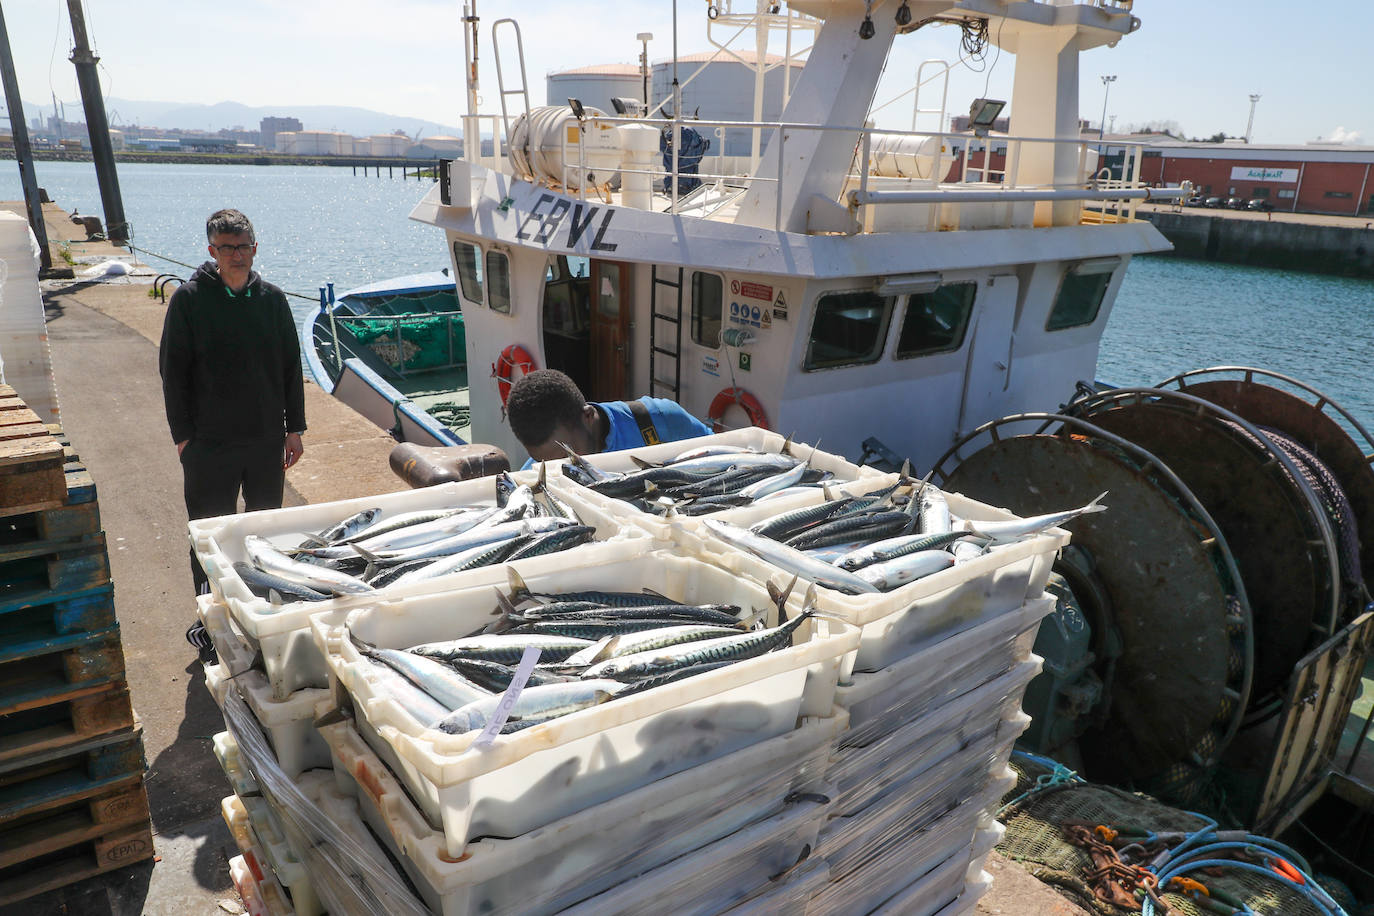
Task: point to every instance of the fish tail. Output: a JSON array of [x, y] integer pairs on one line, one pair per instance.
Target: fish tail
[[362, 645], [519, 591], [1095, 505]]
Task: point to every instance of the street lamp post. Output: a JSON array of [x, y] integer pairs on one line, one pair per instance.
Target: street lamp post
[[644, 39], [1249, 125], [1102, 124]]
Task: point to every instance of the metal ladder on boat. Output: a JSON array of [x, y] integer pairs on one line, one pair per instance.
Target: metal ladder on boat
[[502, 91], [674, 388]]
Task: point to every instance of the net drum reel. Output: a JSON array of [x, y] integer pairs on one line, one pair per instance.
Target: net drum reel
[[1329, 433], [1274, 524], [1171, 647]]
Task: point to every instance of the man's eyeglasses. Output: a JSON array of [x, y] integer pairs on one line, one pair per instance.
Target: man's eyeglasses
[[236, 249]]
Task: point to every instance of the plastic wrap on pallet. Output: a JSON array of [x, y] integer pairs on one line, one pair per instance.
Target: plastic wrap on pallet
[[788, 893], [934, 890], [936, 853], [347, 878], [715, 877], [280, 632], [866, 770], [900, 817], [227, 753], [612, 748], [552, 867], [881, 701], [289, 723]]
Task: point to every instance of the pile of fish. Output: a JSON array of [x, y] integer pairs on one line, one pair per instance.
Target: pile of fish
[[365, 552], [593, 647], [702, 480], [881, 540]]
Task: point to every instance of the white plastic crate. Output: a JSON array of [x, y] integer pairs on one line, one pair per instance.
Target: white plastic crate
[[529, 778], [289, 724], [585, 853], [934, 891], [864, 772], [862, 479], [717, 876], [788, 894], [227, 753], [942, 848], [281, 632], [287, 868], [942, 668], [975, 886], [259, 890], [898, 622], [899, 823]]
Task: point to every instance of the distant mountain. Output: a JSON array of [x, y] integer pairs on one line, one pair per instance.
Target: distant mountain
[[357, 121]]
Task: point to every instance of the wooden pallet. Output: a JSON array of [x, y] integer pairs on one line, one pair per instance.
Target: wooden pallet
[[73, 822], [31, 468], [34, 670], [30, 571], [57, 779], [63, 723], [122, 847], [51, 616]]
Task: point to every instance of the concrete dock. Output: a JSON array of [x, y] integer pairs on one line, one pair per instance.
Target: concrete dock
[[103, 336]]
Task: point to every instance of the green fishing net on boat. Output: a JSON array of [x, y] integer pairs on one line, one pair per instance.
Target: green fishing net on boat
[[1036, 815], [414, 343]]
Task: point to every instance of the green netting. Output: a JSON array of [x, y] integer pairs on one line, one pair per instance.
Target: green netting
[[414, 343], [1035, 838]]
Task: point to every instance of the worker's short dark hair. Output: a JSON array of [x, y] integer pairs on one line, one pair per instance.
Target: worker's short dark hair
[[228, 222], [539, 402]]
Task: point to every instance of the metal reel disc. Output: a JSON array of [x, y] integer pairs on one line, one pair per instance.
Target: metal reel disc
[[1174, 651], [1321, 425], [1273, 523]]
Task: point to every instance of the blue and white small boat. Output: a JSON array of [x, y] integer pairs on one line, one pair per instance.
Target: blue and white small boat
[[395, 351]]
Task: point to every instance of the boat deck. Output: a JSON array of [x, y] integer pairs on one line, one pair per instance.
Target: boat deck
[[443, 394]]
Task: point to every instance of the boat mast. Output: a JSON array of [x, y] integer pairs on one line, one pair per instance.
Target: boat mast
[[472, 134]]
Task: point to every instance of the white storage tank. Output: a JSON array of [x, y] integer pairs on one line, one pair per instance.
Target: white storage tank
[[317, 143], [595, 86], [724, 91], [444, 144], [388, 144], [362, 146]]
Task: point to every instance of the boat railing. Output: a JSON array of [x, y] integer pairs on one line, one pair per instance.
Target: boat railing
[[968, 181], [473, 143]]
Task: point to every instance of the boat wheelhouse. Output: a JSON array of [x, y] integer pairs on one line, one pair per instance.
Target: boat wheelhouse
[[850, 282]]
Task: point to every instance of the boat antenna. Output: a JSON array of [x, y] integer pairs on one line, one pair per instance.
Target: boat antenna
[[677, 90], [471, 126]]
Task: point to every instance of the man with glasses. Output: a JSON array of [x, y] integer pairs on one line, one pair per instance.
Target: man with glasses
[[231, 381]]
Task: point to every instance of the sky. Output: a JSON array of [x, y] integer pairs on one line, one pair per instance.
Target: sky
[[1193, 64]]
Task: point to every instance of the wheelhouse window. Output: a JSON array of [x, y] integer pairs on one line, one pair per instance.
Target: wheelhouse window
[[498, 281], [1081, 294], [707, 309], [467, 258], [849, 329], [936, 322]]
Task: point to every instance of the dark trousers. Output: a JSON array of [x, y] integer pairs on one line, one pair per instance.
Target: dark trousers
[[215, 471]]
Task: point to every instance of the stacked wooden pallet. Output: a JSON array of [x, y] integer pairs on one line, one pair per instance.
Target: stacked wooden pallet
[[72, 802]]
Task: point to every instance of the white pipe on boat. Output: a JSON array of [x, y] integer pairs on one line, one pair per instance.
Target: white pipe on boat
[[972, 195], [640, 142]]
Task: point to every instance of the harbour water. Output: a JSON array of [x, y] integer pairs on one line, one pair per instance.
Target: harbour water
[[319, 224]]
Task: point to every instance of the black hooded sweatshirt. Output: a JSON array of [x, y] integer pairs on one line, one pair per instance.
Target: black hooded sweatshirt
[[231, 364]]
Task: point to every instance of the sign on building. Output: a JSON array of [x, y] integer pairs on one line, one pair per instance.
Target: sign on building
[[1248, 173]]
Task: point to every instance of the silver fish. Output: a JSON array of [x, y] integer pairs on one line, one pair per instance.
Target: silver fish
[[435, 678], [479, 536], [405, 519], [631, 643], [261, 581], [506, 649], [789, 559], [777, 481], [933, 511], [350, 526], [1011, 529], [541, 702], [890, 574], [892, 548], [735, 647], [265, 556]]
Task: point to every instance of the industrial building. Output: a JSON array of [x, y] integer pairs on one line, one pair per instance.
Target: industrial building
[[1311, 177]]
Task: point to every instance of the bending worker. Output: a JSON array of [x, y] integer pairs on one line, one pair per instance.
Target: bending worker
[[546, 407]]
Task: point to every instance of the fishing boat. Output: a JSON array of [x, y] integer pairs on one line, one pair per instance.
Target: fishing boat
[[939, 297], [395, 352]]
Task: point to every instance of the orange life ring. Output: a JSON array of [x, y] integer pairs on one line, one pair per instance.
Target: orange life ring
[[728, 396], [512, 358]]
